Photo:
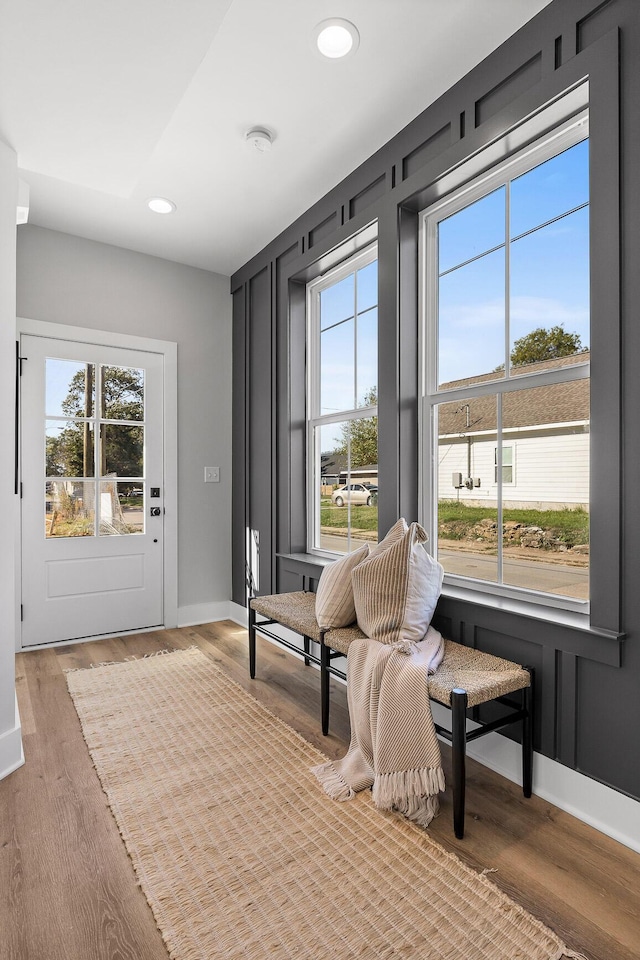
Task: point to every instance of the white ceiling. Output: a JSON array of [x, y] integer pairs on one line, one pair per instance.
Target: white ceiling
[[109, 103]]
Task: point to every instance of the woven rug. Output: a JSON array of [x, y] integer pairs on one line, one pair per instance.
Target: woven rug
[[241, 854]]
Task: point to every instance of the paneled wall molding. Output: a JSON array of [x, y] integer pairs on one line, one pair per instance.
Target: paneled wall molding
[[583, 673], [503, 78]]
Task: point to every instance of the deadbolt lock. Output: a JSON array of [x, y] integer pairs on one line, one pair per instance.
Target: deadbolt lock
[[155, 511]]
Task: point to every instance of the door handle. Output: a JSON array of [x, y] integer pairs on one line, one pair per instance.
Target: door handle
[[155, 511]]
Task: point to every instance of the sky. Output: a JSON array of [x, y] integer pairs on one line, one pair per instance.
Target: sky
[[548, 249], [544, 236], [348, 345]]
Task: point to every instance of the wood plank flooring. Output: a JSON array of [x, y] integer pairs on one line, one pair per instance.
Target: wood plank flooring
[[67, 886]]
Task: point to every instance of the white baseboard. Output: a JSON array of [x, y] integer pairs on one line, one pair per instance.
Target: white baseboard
[[602, 807], [238, 614], [11, 752], [204, 613]]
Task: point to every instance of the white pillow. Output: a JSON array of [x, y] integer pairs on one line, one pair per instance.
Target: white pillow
[[334, 597], [396, 591]]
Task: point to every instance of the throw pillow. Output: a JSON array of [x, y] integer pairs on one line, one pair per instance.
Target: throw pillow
[[396, 591], [396, 533], [334, 597]]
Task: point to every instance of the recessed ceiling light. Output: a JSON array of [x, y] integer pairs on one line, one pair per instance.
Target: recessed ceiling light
[[161, 205], [336, 38]]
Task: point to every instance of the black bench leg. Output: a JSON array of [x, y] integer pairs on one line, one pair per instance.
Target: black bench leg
[[527, 735], [459, 751], [324, 686], [307, 648], [252, 643]]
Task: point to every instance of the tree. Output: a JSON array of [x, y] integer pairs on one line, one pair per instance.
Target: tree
[[70, 452], [542, 344], [362, 434]]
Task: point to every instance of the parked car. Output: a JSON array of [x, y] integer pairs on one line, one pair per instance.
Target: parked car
[[354, 493]]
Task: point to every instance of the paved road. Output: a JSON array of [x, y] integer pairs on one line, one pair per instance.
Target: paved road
[[566, 581], [557, 578], [329, 541]]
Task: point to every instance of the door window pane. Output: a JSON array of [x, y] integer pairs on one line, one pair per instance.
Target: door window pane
[[69, 448], [122, 450], [121, 508], [122, 393], [69, 388], [69, 508]]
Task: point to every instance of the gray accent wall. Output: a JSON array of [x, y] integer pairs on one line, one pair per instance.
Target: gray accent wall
[[588, 713], [69, 280]]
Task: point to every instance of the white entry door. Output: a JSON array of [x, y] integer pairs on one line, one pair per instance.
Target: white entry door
[[92, 489]]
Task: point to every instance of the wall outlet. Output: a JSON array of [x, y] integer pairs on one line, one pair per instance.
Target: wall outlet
[[212, 474]]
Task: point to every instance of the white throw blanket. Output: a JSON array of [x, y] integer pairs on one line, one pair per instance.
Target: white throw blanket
[[394, 746]]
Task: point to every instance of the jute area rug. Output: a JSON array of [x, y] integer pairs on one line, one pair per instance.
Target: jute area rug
[[241, 854]]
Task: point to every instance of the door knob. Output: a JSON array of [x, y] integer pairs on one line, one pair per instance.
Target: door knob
[[155, 511]]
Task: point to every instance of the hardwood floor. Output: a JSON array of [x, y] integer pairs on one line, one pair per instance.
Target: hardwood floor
[[67, 887]]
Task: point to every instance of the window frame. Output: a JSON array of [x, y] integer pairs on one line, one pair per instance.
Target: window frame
[[511, 466], [463, 192], [314, 419]]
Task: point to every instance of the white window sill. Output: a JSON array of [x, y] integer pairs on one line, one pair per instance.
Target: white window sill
[[533, 611]]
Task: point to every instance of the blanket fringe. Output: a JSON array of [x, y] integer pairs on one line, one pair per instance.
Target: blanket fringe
[[391, 788], [333, 784], [420, 811], [413, 793]]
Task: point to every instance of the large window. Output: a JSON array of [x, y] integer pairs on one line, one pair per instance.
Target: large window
[[506, 374], [342, 423]]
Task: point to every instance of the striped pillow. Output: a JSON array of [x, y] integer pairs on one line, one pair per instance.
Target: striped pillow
[[396, 591], [396, 533], [334, 598]]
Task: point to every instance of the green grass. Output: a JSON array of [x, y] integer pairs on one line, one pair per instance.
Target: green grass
[[455, 520], [570, 526], [362, 517]]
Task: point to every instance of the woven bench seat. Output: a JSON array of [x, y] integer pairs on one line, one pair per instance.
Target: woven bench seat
[[483, 676], [466, 678], [297, 611]]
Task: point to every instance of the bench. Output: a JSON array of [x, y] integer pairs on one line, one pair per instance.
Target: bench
[[465, 679]]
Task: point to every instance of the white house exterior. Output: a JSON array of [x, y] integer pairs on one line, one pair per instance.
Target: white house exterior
[[545, 454]]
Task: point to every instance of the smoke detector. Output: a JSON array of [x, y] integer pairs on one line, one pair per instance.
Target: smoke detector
[[259, 139]]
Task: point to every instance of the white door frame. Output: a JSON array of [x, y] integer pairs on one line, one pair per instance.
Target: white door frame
[[169, 351]]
